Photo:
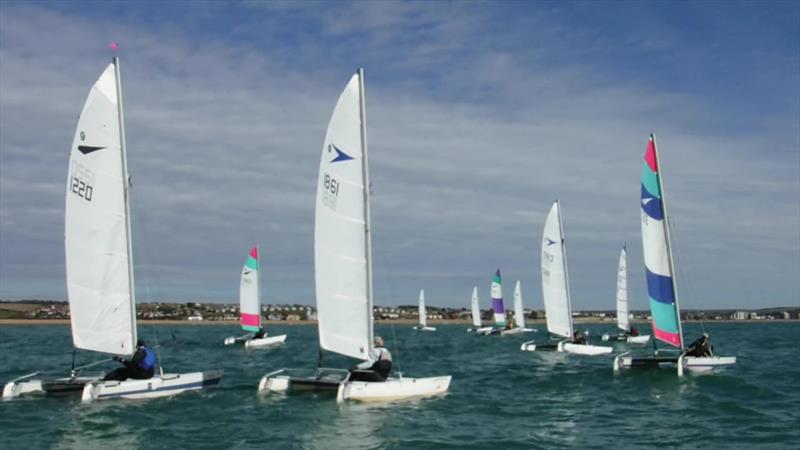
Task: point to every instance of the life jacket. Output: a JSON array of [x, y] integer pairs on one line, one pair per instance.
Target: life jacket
[[148, 363]]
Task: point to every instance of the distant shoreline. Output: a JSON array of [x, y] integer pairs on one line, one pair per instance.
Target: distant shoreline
[[378, 322]]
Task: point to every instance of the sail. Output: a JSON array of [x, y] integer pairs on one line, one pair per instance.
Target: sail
[[476, 309], [340, 249], [655, 244], [96, 227], [423, 320], [249, 293], [497, 300], [554, 276], [622, 292], [519, 312]]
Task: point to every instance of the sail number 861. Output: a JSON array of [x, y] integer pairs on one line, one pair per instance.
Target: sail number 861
[[330, 191]]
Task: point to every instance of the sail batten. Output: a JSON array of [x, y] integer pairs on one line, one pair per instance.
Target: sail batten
[[657, 252], [97, 225], [341, 231], [554, 276]]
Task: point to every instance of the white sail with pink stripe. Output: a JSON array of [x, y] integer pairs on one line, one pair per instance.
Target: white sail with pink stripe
[[250, 293]]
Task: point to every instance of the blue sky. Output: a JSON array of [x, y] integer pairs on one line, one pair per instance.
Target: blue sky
[[479, 114]]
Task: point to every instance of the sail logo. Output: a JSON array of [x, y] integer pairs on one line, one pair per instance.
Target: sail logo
[[549, 241], [330, 191], [86, 149], [81, 181], [340, 155]]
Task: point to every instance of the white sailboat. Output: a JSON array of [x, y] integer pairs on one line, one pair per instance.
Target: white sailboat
[[423, 314], [519, 314], [661, 285], [623, 315], [343, 265], [99, 258], [476, 315], [250, 306], [555, 288]]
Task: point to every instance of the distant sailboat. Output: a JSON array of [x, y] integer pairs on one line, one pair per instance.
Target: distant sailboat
[[99, 258], [343, 265], [498, 309], [519, 314], [250, 306], [476, 314], [555, 288], [623, 320], [423, 315], [661, 284]]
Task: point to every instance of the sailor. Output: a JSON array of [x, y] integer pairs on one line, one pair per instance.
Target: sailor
[[374, 371], [260, 333], [141, 367], [579, 338], [701, 347], [633, 331]]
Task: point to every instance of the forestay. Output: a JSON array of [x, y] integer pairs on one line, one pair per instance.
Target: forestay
[[622, 292], [96, 236], [250, 292], [497, 300], [555, 286], [423, 320], [519, 312], [476, 309], [657, 257], [340, 247]]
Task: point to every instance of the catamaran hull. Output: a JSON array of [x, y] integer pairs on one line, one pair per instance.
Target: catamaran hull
[[158, 386], [56, 386], [638, 340], [425, 328], [392, 389], [698, 365], [586, 350], [517, 330], [271, 341], [483, 330]]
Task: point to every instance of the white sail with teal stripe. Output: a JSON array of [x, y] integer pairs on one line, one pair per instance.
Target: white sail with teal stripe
[[249, 293], [657, 253]]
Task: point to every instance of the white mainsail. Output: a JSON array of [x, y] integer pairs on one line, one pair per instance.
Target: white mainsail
[[97, 225], [622, 292], [476, 309], [519, 311], [341, 231], [555, 285], [423, 320]]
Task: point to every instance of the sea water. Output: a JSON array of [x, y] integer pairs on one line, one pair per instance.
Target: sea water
[[500, 397]]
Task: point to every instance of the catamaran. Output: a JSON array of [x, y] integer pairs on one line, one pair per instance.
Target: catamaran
[[343, 265], [99, 257], [250, 307], [555, 288], [623, 319], [423, 318], [661, 284], [519, 314], [476, 315], [498, 309]]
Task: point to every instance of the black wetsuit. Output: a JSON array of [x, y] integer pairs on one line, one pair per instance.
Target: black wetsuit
[[701, 347], [137, 368]]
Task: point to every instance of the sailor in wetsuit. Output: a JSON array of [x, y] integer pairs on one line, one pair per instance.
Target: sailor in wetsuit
[[579, 338], [374, 371], [141, 367], [260, 333], [701, 347]]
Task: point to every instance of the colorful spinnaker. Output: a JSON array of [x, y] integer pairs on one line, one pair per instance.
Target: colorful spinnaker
[[250, 293], [657, 254]]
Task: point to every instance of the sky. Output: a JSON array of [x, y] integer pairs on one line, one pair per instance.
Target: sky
[[480, 115]]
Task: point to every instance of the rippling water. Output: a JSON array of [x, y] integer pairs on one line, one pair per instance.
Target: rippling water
[[500, 397]]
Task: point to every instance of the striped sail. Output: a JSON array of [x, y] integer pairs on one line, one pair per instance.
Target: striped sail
[[657, 254], [97, 226], [622, 292], [249, 293], [519, 312], [476, 309], [497, 300], [423, 319]]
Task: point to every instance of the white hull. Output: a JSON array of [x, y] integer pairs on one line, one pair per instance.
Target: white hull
[[14, 389], [64, 385], [418, 328], [639, 340], [270, 341], [517, 330], [392, 389], [234, 339], [681, 363], [483, 330], [583, 349], [158, 386]]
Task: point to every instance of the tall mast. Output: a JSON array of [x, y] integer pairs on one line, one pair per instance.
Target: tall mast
[[667, 236], [566, 272], [367, 222], [258, 280], [126, 187]]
